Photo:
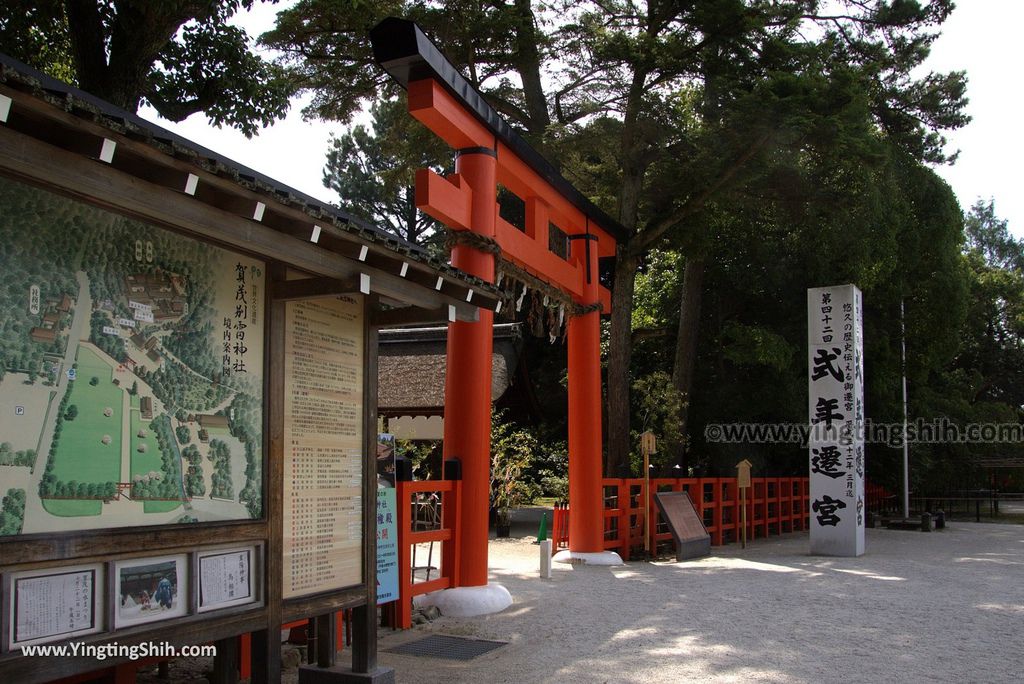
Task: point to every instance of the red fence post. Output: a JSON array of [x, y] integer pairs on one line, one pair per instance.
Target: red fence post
[[404, 555], [625, 532]]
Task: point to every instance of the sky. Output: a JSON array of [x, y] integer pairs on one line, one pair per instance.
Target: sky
[[980, 37]]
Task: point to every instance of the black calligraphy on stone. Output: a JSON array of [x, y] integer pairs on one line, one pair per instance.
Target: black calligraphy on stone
[[826, 461], [826, 508], [826, 411], [822, 364]]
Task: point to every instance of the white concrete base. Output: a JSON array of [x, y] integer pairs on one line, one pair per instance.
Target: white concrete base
[[467, 601], [580, 558]]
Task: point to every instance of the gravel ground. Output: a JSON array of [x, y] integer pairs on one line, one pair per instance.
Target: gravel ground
[[946, 606]]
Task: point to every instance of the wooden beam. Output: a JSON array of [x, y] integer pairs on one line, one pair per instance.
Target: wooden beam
[[445, 199], [440, 112], [537, 220], [316, 288], [225, 663], [524, 251], [195, 629], [179, 179], [412, 315], [302, 607]]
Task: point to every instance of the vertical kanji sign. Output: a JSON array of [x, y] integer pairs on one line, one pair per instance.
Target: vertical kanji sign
[[836, 408]]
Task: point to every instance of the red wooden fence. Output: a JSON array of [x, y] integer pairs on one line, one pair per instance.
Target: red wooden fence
[[428, 511], [775, 505]]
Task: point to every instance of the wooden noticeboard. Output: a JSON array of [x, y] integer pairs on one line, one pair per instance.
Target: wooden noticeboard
[[186, 374], [691, 537]]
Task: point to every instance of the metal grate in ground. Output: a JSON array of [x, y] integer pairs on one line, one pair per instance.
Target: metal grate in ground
[[450, 647]]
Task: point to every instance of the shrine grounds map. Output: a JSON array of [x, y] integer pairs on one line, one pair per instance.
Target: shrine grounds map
[[131, 371]]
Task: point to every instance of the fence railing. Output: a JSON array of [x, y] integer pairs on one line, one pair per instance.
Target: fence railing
[[428, 511], [775, 505]]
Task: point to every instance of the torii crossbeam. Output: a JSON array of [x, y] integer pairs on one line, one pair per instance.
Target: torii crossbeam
[[488, 153]]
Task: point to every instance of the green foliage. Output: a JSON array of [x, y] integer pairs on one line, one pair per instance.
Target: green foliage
[[194, 483], [165, 484], [181, 57], [245, 417], [513, 451], [10, 457], [176, 385], [373, 169], [756, 345], [983, 381], [422, 455], [27, 219], [550, 469], [657, 406], [220, 479], [12, 512], [72, 412], [183, 434]]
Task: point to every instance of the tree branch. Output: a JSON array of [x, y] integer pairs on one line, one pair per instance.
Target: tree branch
[[646, 239]]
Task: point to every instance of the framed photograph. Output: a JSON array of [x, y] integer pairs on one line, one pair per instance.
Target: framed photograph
[[150, 589], [225, 578], [54, 604]]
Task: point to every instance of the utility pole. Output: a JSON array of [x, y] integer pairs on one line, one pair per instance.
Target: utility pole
[[906, 447]]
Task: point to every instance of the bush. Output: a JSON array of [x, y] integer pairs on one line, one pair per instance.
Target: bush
[[513, 452]]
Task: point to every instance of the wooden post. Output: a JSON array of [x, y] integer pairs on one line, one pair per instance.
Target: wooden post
[[225, 663], [647, 503], [743, 516], [648, 446], [743, 482]]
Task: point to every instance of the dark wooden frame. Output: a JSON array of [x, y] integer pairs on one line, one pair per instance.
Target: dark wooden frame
[[60, 151]]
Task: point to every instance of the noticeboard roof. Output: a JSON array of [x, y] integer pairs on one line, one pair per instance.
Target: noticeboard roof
[[122, 124]]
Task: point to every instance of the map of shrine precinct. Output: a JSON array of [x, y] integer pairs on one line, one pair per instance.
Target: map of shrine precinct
[[116, 441]]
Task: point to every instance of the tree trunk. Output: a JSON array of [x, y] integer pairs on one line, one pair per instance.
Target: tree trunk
[[412, 227], [686, 342], [529, 66], [619, 353], [620, 349]]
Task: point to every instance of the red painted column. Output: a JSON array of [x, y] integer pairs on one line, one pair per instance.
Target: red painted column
[[586, 519], [467, 389]]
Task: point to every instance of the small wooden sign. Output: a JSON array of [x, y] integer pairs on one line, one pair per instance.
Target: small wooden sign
[[648, 443], [743, 473]]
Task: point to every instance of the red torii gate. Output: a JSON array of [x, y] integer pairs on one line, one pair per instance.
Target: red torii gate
[[488, 153]]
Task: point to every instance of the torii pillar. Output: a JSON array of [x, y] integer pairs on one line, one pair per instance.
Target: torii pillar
[[467, 388], [586, 498]]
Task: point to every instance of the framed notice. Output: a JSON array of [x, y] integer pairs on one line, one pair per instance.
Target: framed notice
[[56, 603], [323, 437], [150, 589], [225, 578]]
